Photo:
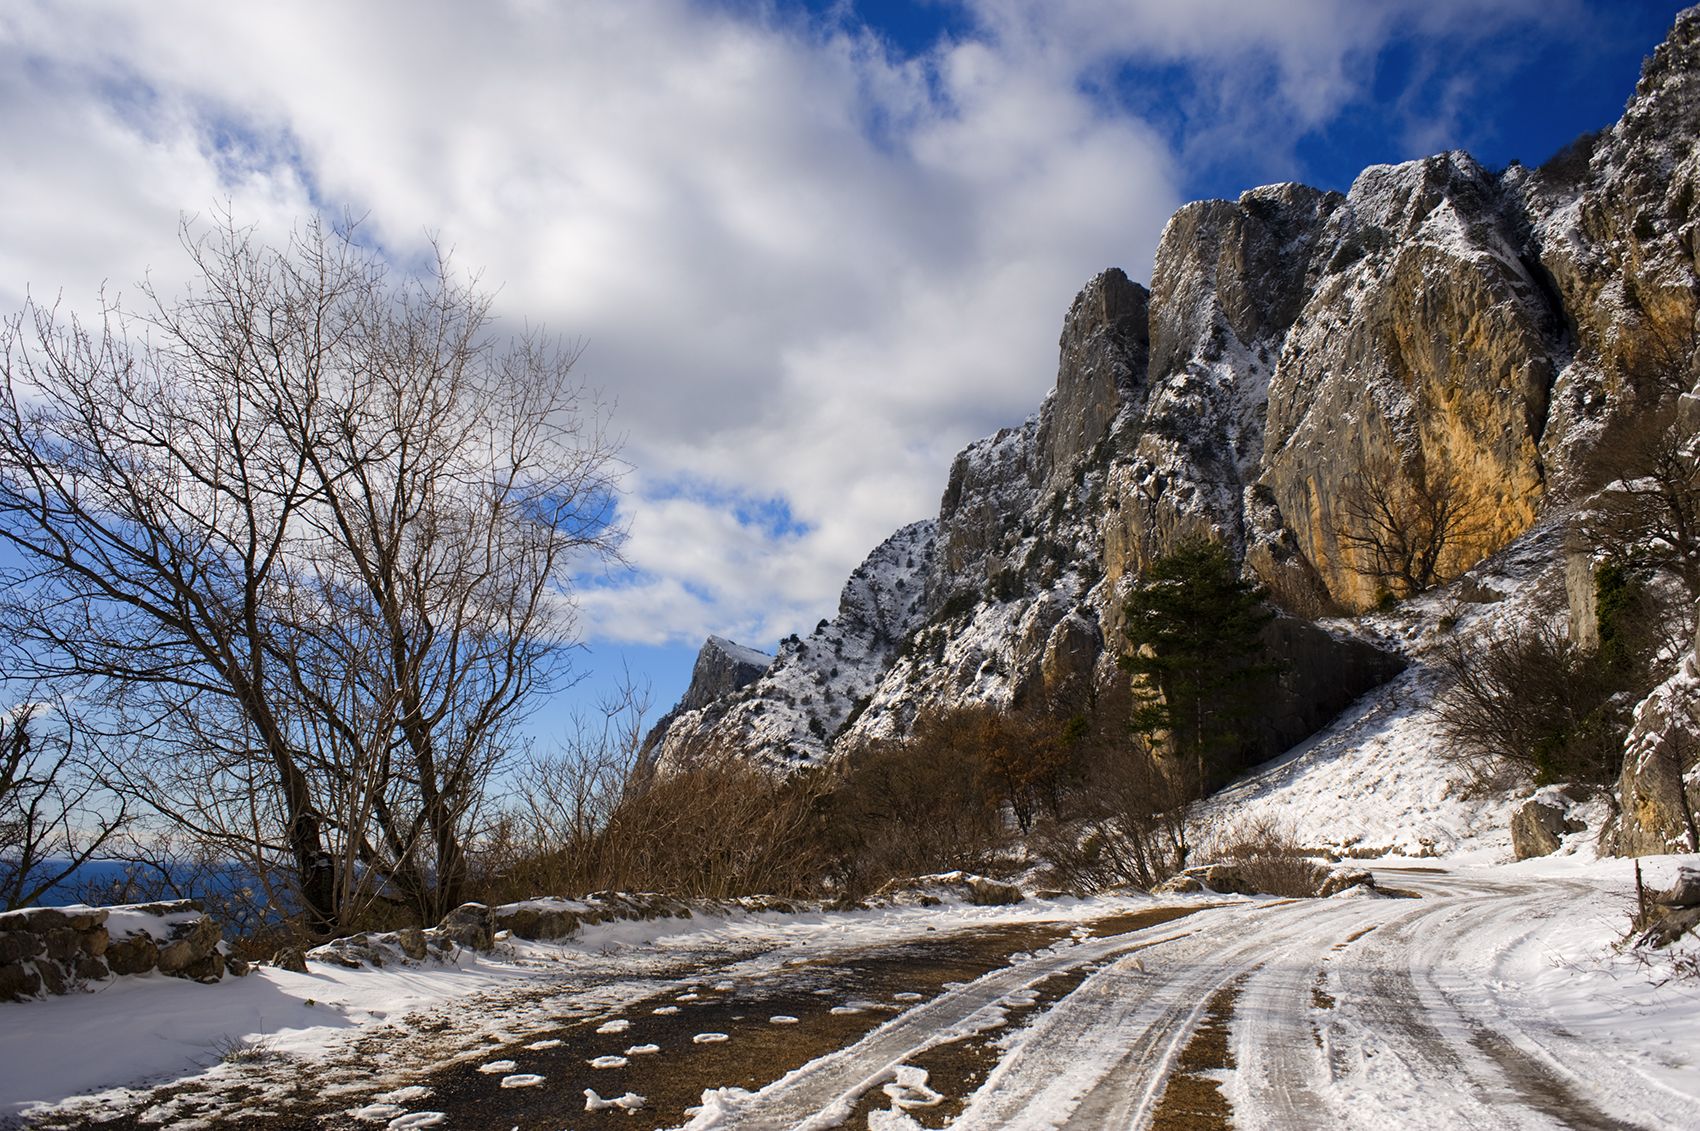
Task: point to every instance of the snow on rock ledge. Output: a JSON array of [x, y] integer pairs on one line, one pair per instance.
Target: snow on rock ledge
[[59, 950]]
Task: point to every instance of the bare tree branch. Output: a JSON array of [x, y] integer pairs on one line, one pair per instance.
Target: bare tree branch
[[306, 530]]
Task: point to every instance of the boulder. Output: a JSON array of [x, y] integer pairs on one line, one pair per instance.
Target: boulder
[[990, 893], [934, 890], [291, 958], [19, 946], [1684, 892], [191, 950], [43, 919], [1669, 926], [206, 969], [412, 943], [1342, 879], [63, 944], [1179, 884], [18, 981], [470, 925], [1657, 790], [136, 954], [1537, 829], [532, 922]]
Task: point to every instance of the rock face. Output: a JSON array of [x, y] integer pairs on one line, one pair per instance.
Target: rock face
[[1106, 341], [815, 688], [1426, 347], [722, 667], [1538, 828], [1659, 787], [1438, 324]]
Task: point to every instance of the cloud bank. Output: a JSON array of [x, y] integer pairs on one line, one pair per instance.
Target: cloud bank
[[809, 262]]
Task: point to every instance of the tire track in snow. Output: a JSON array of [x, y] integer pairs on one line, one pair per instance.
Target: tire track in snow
[[1575, 1083], [1281, 1079], [1100, 1057], [1419, 1040], [1427, 1028], [1279, 958], [822, 1092], [1390, 1063]]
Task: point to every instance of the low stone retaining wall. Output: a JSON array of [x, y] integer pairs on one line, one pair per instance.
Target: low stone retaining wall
[[58, 950], [474, 926]]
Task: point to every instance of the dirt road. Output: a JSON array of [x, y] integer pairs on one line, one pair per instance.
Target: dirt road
[[1349, 1013], [1296, 1015]]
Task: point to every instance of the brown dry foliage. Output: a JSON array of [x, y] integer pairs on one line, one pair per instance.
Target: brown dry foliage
[[1534, 701], [1126, 820], [1268, 858]]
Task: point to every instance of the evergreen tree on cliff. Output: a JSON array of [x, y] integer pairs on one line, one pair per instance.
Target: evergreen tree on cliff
[[1195, 651]]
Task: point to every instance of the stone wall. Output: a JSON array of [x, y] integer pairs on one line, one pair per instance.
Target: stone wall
[[59, 950]]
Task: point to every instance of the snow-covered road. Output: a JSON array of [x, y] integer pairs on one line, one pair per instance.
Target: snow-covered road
[[1495, 1000], [1439, 1012]]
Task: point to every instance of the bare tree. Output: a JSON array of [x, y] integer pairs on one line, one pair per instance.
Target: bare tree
[[52, 819], [1399, 522], [1648, 515], [1532, 701], [307, 528]]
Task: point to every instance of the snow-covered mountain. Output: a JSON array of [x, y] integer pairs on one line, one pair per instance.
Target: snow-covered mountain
[[1440, 320]]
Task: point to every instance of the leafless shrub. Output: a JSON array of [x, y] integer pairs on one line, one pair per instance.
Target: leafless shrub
[[1533, 700], [920, 804], [724, 827], [1128, 824], [592, 817], [1403, 524], [1267, 858]]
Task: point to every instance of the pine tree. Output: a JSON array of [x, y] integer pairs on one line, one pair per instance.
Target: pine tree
[[1195, 651]]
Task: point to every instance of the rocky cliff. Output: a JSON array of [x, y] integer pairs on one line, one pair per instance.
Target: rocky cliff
[[1440, 328]]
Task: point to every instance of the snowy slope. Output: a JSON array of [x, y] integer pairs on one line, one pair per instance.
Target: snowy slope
[[1382, 779]]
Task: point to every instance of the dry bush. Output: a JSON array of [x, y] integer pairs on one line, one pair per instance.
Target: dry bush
[[1126, 823], [722, 828], [1267, 857], [1026, 759], [549, 838], [1534, 701], [910, 806], [593, 815], [591, 821]]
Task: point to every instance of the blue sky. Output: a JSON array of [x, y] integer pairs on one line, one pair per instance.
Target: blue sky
[[813, 246]]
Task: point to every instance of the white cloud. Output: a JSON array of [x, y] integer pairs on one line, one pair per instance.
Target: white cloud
[[806, 269]]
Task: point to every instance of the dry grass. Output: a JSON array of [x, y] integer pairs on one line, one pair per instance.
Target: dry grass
[[1267, 858]]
